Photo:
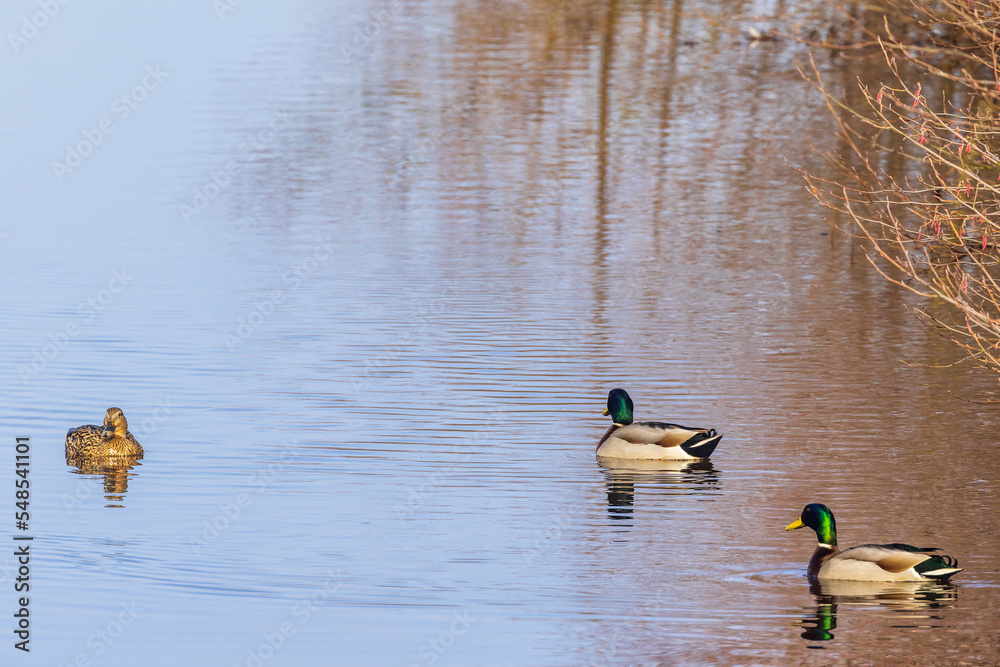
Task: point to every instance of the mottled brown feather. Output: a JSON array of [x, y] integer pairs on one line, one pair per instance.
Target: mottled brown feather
[[111, 441]]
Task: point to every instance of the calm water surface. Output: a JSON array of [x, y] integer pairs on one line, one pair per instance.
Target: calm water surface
[[362, 299]]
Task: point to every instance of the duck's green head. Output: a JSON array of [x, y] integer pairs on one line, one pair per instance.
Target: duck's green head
[[818, 517], [619, 407]]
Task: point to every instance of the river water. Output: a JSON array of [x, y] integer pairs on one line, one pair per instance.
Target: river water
[[361, 276]]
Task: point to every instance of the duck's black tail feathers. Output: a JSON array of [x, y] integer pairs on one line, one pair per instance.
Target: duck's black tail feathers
[[939, 567], [702, 444]]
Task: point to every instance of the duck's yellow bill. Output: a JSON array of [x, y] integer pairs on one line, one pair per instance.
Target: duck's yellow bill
[[605, 412], [795, 524]]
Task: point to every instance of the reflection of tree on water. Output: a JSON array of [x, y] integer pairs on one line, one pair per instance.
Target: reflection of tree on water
[[910, 599], [667, 477], [115, 474]]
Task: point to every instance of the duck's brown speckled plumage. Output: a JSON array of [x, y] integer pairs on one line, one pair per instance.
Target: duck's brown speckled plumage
[[108, 442]]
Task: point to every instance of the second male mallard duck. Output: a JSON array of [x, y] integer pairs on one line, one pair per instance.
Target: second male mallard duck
[[651, 440], [110, 441], [868, 562]]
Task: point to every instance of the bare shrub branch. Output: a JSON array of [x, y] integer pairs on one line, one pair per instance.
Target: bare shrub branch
[[931, 225]]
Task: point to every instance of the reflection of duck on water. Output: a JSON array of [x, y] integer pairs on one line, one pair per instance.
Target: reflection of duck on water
[[898, 596], [115, 474], [109, 450], [673, 477], [820, 627]]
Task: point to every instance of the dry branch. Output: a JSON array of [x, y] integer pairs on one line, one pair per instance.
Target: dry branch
[[934, 228]]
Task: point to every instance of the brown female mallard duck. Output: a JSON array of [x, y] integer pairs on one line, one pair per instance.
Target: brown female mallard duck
[[110, 441], [651, 440], [868, 562]]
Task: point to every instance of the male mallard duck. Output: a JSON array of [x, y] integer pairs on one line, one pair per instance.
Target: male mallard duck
[[868, 562], [112, 440], [651, 440]]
